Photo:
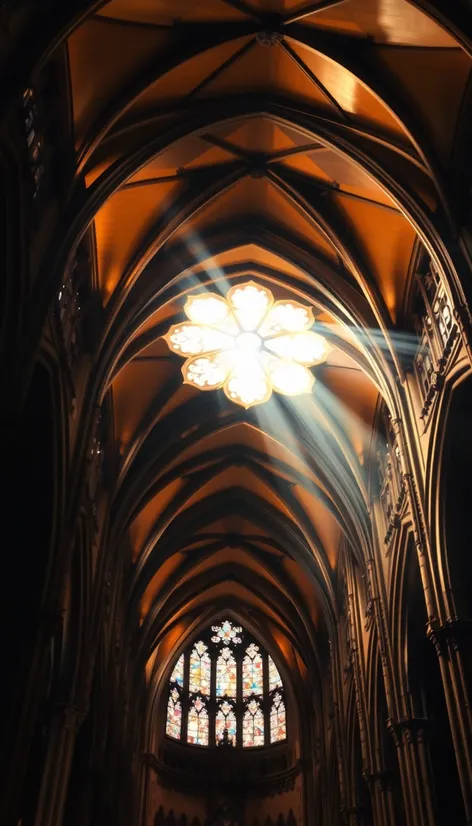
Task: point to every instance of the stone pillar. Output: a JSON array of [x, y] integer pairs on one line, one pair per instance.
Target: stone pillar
[[65, 722], [452, 644], [410, 737], [380, 787]]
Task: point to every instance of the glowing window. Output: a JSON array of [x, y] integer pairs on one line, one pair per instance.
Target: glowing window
[[247, 344], [275, 680], [253, 725], [197, 728], [226, 682], [278, 728], [226, 674], [177, 675], [226, 632], [174, 715], [200, 669], [252, 671], [226, 719]]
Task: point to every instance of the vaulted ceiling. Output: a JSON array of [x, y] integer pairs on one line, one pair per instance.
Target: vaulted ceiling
[[304, 145]]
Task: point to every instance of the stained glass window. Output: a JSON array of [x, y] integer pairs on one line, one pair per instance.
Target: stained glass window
[[197, 725], [252, 671], [227, 684], [177, 675], [226, 674], [226, 632], [253, 725], [278, 726], [275, 680], [226, 719], [174, 715], [200, 669]]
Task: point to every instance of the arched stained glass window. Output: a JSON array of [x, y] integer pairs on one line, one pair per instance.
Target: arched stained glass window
[[252, 671], [177, 675], [253, 725], [226, 674], [278, 728], [200, 669], [197, 728], [226, 681], [275, 680], [226, 719], [174, 715]]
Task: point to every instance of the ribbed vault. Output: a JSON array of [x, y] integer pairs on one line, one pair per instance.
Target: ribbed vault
[[301, 145]]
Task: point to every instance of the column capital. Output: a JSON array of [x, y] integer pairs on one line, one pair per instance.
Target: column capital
[[450, 634], [408, 729], [380, 777]]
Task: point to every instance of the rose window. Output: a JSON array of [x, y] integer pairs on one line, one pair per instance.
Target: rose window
[[248, 344]]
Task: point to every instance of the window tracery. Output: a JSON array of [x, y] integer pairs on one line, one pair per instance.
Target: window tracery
[[226, 688]]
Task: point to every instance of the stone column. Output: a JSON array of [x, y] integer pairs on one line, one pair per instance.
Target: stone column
[[65, 722], [452, 644], [380, 787], [410, 735]]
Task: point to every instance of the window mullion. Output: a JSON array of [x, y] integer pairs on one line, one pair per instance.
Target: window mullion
[[239, 698], [265, 697], [212, 703], [185, 697]]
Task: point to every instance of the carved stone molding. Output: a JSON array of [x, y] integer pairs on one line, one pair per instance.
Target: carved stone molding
[[409, 730], [381, 778], [449, 635]]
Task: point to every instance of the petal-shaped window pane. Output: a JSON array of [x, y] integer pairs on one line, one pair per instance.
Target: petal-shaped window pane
[[226, 674], [253, 725], [287, 317], [275, 680], [191, 339], [209, 308], [247, 384], [177, 675], [252, 671], [225, 719], [200, 669], [197, 723], [288, 377], [207, 372], [278, 726], [249, 303], [174, 715], [306, 348]]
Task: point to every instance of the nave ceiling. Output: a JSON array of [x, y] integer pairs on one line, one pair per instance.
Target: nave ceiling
[[305, 146]]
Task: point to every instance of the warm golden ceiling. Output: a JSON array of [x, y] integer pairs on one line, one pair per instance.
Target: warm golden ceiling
[[304, 145]]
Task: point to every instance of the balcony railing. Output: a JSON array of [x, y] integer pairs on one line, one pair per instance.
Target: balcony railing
[[437, 330], [392, 485], [69, 311], [33, 140]]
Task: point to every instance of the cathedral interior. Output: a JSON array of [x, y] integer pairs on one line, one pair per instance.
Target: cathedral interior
[[236, 356]]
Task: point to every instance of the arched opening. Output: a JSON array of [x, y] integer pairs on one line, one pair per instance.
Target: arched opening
[[455, 493]]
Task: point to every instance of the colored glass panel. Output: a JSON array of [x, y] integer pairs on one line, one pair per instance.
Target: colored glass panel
[[252, 671], [174, 715], [226, 674], [226, 632], [278, 725], [197, 724], [177, 675], [200, 669], [225, 719], [253, 725], [275, 680]]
